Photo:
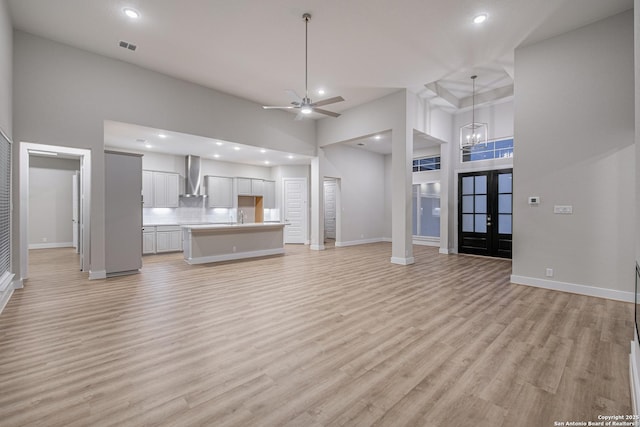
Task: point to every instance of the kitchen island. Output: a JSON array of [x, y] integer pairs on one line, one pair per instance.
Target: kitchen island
[[205, 243]]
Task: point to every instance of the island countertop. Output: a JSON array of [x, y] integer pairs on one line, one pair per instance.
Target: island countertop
[[232, 226]]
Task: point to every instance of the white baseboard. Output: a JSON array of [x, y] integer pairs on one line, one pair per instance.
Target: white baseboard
[[97, 275], [387, 239], [50, 245], [402, 261], [633, 375], [316, 247], [426, 241], [6, 289], [359, 242], [591, 291], [234, 256], [444, 251], [4, 298]]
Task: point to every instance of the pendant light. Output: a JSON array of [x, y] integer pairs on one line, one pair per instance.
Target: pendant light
[[473, 133]]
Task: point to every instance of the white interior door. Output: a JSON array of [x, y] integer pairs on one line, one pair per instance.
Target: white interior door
[[295, 210], [330, 208], [75, 209]]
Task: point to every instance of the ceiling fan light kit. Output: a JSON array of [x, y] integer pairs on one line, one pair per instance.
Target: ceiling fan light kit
[[306, 105]]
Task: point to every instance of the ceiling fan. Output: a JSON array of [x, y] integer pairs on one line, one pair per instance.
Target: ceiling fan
[[305, 105]]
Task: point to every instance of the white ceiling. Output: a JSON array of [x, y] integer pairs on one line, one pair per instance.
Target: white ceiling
[[143, 139], [359, 49]]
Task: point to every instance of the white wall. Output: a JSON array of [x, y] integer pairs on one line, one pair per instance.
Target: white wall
[[637, 134], [62, 95], [6, 69], [362, 192], [574, 139], [50, 201]]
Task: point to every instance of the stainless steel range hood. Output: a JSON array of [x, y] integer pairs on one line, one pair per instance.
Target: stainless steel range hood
[[192, 177]]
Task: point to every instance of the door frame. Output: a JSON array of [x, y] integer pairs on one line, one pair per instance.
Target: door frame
[[456, 198], [338, 237], [85, 195]]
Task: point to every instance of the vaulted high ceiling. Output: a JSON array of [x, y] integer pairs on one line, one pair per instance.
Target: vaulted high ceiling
[[360, 49]]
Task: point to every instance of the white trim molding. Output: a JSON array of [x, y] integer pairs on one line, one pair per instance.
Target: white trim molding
[[403, 261], [50, 245], [444, 251], [359, 242], [97, 275], [317, 247], [573, 288], [234, 256], [6, 289], [634, 361]]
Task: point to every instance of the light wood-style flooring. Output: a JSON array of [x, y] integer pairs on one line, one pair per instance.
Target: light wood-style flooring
[[331, 338]]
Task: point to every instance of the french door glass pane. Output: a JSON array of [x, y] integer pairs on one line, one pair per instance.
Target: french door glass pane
[[467, 223], [505, 183], [504, 224], [481, 204], [504, 203], [481, 224], [481, 184], [467, 204], [467, 185]]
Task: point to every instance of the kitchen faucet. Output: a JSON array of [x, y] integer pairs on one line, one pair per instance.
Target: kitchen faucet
[[241, 216]]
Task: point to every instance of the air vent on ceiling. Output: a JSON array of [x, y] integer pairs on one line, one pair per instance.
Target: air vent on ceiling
[[127, 45]]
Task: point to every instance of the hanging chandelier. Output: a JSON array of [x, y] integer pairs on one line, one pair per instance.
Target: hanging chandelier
[[473, 133]]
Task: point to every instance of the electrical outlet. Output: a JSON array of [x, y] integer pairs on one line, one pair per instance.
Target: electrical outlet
[[549, 272]]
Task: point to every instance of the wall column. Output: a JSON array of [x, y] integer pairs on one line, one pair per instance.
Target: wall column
[[317, 203], [401, 181]]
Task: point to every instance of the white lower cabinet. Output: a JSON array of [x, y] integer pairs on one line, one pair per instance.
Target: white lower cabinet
[[149, 240], [161, 238], [168, 239]]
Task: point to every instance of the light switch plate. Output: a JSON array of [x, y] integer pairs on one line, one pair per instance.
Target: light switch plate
[[534, 200], [563, 209]]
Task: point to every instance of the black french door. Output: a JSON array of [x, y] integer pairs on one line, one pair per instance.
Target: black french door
[[485, 215]]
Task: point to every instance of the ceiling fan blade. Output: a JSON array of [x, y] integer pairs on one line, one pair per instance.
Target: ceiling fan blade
[[327, 101], [325, 112], [294, 96], [272, 107]]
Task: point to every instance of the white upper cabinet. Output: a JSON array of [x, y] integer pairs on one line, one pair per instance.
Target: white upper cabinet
[[249, 186], [147, 189], [219, 191], [243, 186], [269, 195], [160, 189], [257, 187]]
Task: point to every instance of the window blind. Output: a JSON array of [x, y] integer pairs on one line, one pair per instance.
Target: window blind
[[5, 204]]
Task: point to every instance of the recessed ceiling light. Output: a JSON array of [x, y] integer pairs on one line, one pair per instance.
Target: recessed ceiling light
[[217, 156], [266, 162], [236, 148], [263, 151], [131, 13], [377, 137], [479, 19], [321, 92], [290, 156], [162, 135], [148, 145], [219, 143]]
